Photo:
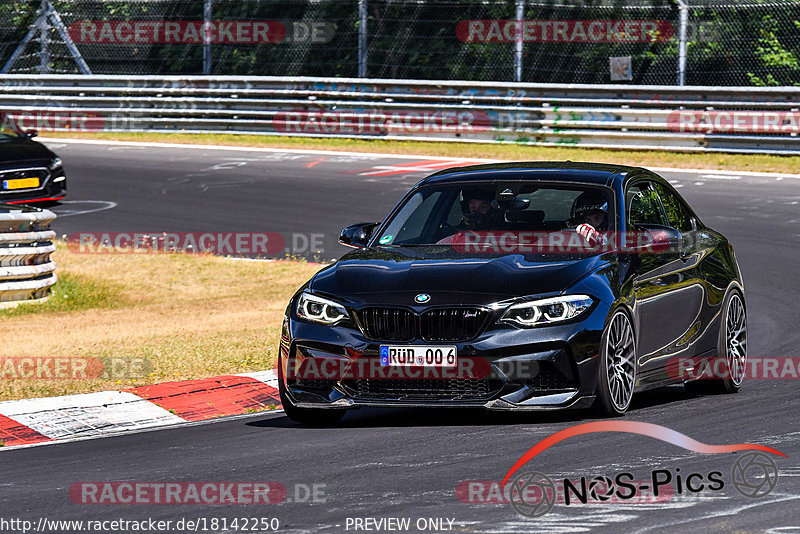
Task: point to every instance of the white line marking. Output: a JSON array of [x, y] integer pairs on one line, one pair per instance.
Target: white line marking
[[267, 260], [720, 177], [225, 166], [124, 147], [375, 155], [108, 205], [717, 171], [368, 155]]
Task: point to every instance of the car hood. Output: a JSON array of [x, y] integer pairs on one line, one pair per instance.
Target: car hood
[[22, 149], [398, 274]]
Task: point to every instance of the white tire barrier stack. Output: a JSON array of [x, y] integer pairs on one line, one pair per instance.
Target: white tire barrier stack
[[26, 242]]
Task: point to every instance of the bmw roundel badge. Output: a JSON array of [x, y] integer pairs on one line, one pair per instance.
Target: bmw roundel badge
[[422, 298]]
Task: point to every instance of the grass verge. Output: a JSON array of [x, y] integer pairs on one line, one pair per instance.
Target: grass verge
[[149, 318], [72, 292], [644, 158]]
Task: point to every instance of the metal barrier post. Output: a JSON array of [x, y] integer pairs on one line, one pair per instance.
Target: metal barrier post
[[518, 43], [207, 37], [684, 15], [362, 38]]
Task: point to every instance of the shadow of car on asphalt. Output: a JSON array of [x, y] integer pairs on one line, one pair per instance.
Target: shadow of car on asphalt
[[422, 417]]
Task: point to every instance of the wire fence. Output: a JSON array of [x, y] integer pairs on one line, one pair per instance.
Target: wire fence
[[654, 42]]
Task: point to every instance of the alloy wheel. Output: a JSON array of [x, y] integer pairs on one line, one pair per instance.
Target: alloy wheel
[[620, 361], [736, 339]]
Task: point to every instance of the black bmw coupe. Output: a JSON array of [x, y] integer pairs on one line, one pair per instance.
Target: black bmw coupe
[[520, 286]]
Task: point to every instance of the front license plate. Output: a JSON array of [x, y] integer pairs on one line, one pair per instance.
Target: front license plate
[[418, 355], [21, 183]]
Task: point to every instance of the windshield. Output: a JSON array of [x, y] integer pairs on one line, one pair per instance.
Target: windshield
[[444, 214]]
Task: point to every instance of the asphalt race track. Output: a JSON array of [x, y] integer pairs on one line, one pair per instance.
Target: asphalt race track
[[408, 463]]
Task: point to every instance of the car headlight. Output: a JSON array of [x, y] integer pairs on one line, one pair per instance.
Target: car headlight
[[320, 310], [55, 164], [546, 311]]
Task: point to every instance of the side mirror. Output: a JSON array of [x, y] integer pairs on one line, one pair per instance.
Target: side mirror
[[655, 239], [357, 235], [30, 134]]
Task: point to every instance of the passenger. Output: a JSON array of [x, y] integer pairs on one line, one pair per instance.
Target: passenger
[[590, 217]]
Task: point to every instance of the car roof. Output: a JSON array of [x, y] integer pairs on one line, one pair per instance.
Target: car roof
[[552, 171]]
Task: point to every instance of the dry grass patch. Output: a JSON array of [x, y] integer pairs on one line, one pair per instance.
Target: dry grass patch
[[174, 316]]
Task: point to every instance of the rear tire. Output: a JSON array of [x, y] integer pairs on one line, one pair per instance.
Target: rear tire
[[616, 373], [731, 345]]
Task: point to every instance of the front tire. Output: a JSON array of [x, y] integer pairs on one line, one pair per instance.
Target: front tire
[[307, 416], [616, 374]]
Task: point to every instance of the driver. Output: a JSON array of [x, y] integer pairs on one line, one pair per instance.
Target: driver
[[476, 208], [590, 217]]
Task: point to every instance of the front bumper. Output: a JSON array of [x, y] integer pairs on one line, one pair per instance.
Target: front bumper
[[542, 368], [53, 188]]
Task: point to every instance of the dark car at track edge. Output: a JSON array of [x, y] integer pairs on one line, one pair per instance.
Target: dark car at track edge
[[555, 284], [29, 171]]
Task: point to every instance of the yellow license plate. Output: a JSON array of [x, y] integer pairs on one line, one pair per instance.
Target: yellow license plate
[[21, 183]]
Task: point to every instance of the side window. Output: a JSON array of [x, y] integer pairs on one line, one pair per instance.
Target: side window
[[678, 214], [643, 205]]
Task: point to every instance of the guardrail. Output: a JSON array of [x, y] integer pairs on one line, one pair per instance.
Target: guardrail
[[728, 119], [26, 243]]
